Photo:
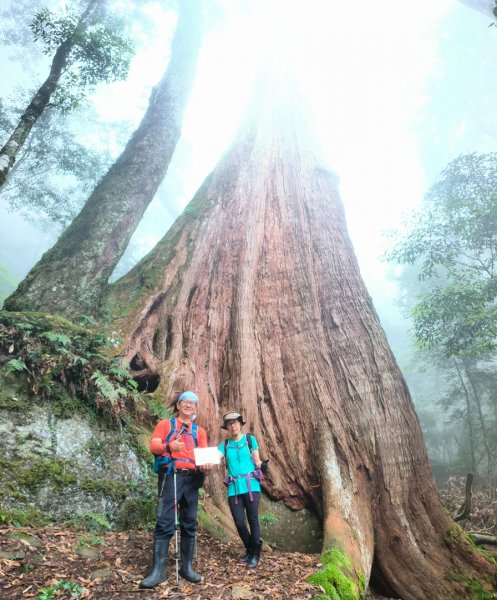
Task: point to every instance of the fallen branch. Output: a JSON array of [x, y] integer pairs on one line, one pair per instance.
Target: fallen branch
[[481, 538]]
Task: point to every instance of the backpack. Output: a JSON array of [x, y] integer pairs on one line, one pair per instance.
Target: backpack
[[174, 434]]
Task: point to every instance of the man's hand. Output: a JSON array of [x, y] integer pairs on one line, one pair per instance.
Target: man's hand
[[206, 467], [176, 446]]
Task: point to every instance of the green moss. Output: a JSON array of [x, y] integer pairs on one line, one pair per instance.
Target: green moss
[[22, 518], [336, 578], [53, 473], [115, 490], [138, 512], [475, 587]]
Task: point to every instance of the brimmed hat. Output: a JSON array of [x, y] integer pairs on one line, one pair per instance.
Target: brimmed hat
[[231, 416]]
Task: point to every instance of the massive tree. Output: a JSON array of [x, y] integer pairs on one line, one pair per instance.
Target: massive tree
[[254, 298], [70, 277]]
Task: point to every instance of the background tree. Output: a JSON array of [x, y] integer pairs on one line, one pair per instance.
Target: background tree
[[85, 52], [55, 170], [70, 278], [452, 242]]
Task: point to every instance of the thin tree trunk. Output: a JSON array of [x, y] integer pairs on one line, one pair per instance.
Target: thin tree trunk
[[481, 418], [255, 300], [474, 468], [70, 277], [42, 97]]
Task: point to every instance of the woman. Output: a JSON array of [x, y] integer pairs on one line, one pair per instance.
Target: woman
[[241, 453]]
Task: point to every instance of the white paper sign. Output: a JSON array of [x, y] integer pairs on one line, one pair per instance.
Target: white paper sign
[[207, 456]]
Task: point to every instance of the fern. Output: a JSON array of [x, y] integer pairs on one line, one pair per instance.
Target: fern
[[57, 338], [15, 365], [105, 387]]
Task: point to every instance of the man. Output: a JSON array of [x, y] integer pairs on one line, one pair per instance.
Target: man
[[173, 441]]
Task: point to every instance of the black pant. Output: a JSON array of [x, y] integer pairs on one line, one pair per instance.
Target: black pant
[[187, 497], [242, 506]]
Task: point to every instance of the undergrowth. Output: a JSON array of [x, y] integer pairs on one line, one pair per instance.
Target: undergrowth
[[50, 351]]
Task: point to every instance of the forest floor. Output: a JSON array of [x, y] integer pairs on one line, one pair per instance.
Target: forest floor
[[50, 562], [53, 557]]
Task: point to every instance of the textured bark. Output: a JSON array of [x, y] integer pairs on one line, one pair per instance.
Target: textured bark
[[255, 300], [70, 277], [41, 99]]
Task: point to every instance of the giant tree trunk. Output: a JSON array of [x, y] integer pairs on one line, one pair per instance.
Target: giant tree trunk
[[255, 300], [41, 99], [69, 278]]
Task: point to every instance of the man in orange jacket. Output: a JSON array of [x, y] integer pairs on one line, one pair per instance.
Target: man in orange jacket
[[173, 441]]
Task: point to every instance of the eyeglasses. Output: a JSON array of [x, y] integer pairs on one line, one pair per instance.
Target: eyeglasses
[[188, 402]]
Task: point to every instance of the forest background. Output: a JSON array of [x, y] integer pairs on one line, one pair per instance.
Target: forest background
[[375, 114]]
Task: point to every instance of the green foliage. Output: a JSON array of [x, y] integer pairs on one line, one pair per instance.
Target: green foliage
[[66, 587], [336, 578], [92, 522], [55, 172], [453, 240], [97, 54], [268, 518], [22, 518], [53, 352], [14, 364]]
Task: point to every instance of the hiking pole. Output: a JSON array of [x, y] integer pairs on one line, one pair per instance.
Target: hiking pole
[[176, 523]]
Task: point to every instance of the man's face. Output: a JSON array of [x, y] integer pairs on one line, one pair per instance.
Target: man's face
[[186, 409]]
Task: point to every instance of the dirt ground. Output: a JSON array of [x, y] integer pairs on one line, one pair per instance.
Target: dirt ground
[[113, 565]]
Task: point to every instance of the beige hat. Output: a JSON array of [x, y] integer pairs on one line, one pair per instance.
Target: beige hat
[[231, 416]]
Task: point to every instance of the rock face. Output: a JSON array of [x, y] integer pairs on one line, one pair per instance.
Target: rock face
[[255, 300], [67, 467]]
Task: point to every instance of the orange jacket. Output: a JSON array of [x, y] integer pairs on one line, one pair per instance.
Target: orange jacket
[[158, 446]]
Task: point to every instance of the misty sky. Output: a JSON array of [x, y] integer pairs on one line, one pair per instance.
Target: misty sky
[[394, 98]]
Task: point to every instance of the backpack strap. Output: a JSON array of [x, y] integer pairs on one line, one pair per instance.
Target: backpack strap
[[172, 435], [248, 441]]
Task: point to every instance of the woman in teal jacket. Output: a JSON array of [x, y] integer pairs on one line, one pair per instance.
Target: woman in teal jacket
[[241, 454]]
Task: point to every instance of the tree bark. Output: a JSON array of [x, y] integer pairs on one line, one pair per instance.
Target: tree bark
[[255, 300], [42, 97], [471, 434], [70, 277]]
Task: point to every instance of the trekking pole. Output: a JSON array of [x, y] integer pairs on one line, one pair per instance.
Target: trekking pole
[[176, 523]]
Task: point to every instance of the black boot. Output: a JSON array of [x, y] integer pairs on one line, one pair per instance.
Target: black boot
[[255, 554], [157, 574], [244, 558], [186, 571]]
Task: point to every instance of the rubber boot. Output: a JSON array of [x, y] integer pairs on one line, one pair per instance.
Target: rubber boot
[[243, 560], [255, 554], [186, 571], [157, 574]]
